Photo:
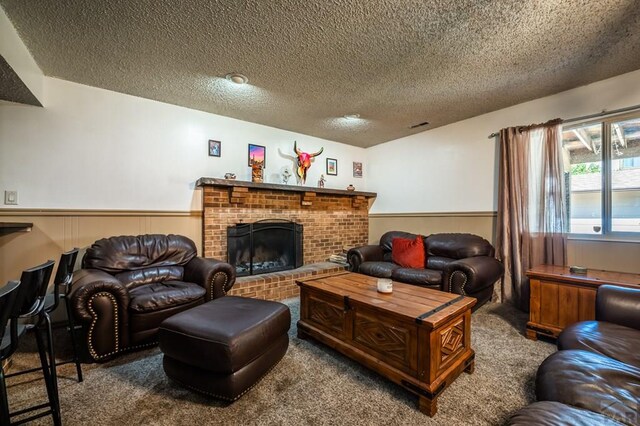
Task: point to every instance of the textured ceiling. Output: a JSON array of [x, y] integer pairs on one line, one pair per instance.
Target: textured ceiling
[[12, 88], [396, 63]]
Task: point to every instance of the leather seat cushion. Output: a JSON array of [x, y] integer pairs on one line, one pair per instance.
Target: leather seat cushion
[[152, 274], [590, 381], [143, 326], [164, 295], [225, 334], [615, 341], [426, 277], [551, 413], [378, 269]]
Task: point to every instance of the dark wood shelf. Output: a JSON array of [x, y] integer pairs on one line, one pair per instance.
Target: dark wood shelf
[[10, 227], [204, 181]]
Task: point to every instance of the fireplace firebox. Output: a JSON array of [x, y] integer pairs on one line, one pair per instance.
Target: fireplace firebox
[[264, 246]]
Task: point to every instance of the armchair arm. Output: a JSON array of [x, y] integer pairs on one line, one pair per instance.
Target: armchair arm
[[101, 302], [216, 276], [619, 305], [357, 255], [470, 275]]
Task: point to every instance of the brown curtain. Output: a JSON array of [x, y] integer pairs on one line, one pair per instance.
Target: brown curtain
[[532, 219]]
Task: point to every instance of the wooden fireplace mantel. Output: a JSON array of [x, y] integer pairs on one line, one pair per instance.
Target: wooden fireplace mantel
[[230, 183]]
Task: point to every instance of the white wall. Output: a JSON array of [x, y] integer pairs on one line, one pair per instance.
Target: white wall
[[453, 168], [91, 148], [13, 50]]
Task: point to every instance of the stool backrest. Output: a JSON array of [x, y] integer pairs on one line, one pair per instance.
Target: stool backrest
[[33, 288], [64, 276], [8, 295], [65, 267]]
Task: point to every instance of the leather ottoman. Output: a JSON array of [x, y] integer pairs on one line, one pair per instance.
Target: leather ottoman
[[224, 347]]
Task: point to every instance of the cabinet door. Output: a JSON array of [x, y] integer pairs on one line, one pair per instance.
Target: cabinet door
[[586, 304], [549, 313], [392, 341], [563, 304], [325, 312]]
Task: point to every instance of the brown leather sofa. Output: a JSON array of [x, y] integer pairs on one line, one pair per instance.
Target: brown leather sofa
[[129, 284], [456, 263], [594, 378]]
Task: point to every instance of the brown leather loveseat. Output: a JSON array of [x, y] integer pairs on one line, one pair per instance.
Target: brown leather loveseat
[[129, 284], [594, 378], [456, 263]]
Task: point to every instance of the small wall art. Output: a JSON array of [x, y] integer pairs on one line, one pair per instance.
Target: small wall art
[[215, 148], [357, 169], [257, 155], [332, 167]]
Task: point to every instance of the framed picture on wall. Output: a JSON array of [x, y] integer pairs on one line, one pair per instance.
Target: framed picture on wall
[[257, 155], [332, 167], [357, 169], [215, 148]]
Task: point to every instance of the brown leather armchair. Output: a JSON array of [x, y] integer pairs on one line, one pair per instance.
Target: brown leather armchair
[[129, 284], [455, 263], [594, 378]]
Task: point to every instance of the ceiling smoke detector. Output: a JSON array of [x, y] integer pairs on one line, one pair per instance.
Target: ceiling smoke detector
[[351, 116], [237, 78]]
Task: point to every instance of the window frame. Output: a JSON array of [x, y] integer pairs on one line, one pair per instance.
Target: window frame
[[607, 233]]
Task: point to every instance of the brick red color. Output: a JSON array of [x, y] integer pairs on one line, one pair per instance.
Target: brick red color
[[281, 285], [331, 222]]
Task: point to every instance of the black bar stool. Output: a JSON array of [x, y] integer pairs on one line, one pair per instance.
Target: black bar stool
[[62, 287], [7, 301], [28, 306]]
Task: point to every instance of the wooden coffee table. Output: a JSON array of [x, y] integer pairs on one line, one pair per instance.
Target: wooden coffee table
[[415, 337]]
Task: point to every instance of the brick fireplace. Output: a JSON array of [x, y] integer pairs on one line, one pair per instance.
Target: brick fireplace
[[333, 220]]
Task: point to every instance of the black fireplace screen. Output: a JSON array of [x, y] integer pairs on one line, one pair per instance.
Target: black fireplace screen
[[264, 246]]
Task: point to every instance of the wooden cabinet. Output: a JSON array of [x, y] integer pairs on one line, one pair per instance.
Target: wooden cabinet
[[560, 298]]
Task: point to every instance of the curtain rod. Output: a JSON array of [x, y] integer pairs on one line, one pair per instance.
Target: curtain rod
[[587, 117]]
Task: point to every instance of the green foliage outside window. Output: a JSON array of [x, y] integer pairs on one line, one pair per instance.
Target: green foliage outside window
[[584, 168]]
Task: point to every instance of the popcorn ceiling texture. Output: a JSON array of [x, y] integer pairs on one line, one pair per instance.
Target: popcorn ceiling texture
[[12, 88], [396, 63]]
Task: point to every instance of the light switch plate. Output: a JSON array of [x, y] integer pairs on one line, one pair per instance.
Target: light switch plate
[[11, 198]]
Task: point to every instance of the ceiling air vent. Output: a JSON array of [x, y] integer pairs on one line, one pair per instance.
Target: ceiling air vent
[[424, 123]]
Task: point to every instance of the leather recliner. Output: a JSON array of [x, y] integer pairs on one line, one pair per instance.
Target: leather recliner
[[129, 284], [594, 378], [455, 263]]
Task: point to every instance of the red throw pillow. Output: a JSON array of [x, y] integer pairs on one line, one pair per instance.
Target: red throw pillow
[[408, 253]]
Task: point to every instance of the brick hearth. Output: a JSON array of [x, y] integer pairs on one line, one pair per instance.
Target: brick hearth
[[281, 285], [332, 220]]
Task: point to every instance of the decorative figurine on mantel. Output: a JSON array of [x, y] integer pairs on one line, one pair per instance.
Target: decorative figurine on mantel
[[256, 172], [351, 188], [304, 162], [230, 176], [285, 176], [321, 181]]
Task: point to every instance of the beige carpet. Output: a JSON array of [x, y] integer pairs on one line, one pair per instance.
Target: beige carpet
[[312, 385]]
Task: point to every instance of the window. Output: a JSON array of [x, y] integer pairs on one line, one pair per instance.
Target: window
[[602, 174]]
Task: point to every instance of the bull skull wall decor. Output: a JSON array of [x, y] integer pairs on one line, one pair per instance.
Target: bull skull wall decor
[[304, 162]]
